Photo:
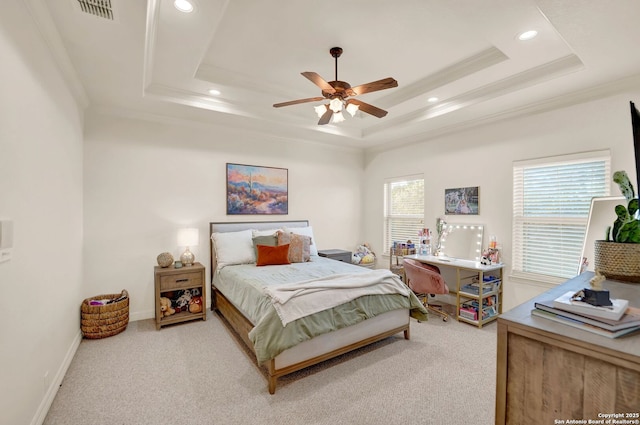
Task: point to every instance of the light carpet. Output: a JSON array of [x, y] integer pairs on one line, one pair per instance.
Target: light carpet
[[199, 373]]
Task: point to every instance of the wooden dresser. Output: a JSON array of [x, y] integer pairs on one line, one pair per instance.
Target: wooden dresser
[[549, 373]]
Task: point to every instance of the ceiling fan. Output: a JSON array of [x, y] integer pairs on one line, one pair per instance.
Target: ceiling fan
[[340, 95]]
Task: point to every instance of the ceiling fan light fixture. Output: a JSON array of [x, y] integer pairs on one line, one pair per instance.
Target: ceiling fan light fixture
[[320, 110], [338, 93], [352, 108], [335, 105]]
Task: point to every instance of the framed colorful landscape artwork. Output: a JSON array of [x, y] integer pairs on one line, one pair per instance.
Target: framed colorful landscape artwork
[[462, 200], [253, 189]]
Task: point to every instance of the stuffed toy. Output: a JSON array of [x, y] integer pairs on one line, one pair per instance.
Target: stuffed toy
[[195, 305], [165, 307], [363, 255], [182, 303]]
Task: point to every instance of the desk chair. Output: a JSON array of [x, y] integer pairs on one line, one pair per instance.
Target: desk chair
[[424, 280]]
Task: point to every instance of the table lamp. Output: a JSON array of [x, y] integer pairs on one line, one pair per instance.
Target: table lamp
[[187, 237]]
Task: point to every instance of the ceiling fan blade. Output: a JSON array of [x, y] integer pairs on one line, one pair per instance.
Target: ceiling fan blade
[[369, 109], [324, 119], [386, 83], [295, 102], [319, 81]]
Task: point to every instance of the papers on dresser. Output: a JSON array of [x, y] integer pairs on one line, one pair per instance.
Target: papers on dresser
[[629, 319], [583, 325], [613, 312]]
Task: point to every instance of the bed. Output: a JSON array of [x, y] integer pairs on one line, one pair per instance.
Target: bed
[[288, 339]]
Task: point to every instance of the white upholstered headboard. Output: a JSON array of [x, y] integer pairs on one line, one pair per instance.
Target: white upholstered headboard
[[235, 226]]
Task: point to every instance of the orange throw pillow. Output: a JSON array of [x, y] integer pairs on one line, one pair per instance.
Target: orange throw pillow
[[272, 255]]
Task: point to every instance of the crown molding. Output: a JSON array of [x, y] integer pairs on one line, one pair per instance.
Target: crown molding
[[447, 75], [577, 97]]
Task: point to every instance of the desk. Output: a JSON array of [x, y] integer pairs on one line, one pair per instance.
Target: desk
[[548, 371], [476, 284]]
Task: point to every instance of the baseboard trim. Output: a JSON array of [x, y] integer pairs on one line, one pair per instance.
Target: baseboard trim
[[142, 315], [43, 409]]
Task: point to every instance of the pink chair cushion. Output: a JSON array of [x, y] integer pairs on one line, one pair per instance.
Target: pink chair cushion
[[424, 278]]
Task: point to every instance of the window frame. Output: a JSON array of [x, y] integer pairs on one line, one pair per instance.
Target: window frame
[[521, 221], [389, 216]]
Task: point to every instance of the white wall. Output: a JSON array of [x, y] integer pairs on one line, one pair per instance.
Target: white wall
[[144, 180], [484, 157], [41, 190]]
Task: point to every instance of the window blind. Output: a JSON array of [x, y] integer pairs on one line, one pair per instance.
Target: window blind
[[403, 209], [551, 200]]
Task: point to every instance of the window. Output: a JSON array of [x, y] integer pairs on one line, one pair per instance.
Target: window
[[403, 209], [551, 200]]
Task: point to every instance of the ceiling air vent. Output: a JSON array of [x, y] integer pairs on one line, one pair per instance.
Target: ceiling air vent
[[99, 8]]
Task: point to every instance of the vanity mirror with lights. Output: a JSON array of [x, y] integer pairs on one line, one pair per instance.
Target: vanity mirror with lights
[[462, 241], [478, 287]]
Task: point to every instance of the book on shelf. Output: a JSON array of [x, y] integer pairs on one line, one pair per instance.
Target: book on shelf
[[583, 325], [630, 318], [613, 312]]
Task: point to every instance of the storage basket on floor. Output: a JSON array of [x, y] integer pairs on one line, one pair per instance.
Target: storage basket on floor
[[101, 321]]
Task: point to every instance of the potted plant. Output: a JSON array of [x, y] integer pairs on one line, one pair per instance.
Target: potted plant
[[618, 256]]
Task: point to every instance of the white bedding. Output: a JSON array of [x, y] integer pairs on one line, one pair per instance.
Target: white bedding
[[296, 300], [243, 285], [249, 297]]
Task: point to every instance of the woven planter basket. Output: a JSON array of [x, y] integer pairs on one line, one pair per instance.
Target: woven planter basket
[[101, 321], [618, 261]]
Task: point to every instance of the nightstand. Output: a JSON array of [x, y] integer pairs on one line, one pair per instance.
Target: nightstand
[[336, 254], [170, 279]]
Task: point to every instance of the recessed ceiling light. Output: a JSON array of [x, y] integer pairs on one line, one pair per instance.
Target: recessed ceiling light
[[432, 99], [527, 35], [214, 92], [183, 6]]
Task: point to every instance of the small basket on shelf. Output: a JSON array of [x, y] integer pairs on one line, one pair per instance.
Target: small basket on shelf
[[102, 321]]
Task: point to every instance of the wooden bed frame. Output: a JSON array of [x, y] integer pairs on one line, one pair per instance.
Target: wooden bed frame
[[318, 349]]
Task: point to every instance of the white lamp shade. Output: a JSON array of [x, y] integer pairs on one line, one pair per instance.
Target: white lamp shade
[[188, 237], [335, 105], [338, 117], [352, 108], [320, 110]]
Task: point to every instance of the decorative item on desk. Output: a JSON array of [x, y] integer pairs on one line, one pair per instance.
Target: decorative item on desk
[[617, 256], [177, 264], [441, 228], [188, 237], [490, 256], [425, 241]]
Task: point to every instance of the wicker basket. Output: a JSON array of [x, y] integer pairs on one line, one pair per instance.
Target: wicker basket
[[101, 321], [618, 261]]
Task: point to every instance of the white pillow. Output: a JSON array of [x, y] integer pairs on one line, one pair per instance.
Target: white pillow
[[305, 231], [234, 248], [269, 232]]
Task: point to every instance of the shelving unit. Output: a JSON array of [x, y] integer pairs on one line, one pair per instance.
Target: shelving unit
[[476, 284], [475, 288], [171, 279]]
